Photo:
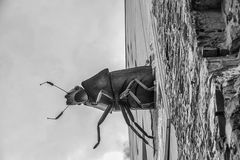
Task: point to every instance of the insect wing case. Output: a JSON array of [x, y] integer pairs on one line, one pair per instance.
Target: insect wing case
[[97, 83], [121, 79]]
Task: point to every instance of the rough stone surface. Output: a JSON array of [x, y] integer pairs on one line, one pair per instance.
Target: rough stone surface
[[183, 33], [206, 4], [186, 32], [210, 28]]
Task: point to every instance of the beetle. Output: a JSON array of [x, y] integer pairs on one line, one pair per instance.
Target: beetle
[[120, 90]]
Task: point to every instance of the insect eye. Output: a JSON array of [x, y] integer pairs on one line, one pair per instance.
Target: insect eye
[[77, 88], [80, 96], [77, 97]]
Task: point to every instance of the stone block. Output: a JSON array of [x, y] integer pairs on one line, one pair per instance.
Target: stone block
[[206, 5]]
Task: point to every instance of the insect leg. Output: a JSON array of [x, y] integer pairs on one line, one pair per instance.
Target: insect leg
[[144, 86], [132, 119], [104, 115], [126, 91], [141, 84], [100, 94], [142, 105], [129, 124]]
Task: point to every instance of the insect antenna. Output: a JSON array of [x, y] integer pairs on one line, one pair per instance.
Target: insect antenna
[[50, 83], [59, 115]]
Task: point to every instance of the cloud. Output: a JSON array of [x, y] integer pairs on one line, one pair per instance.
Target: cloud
[[112, 155], [126, 151], [77, 155], [64, 41]]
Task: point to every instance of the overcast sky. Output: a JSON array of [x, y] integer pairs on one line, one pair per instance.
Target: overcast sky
[[66, 42]]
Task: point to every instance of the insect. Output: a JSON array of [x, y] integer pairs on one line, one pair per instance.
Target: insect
[[120, 90]]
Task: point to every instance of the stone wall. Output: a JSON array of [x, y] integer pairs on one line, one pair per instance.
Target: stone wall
[[206, 5], [210, 27], [193, 46]]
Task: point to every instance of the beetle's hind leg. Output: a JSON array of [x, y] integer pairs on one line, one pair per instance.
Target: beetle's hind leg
[[127, 92], [129, 124], [136, 124]]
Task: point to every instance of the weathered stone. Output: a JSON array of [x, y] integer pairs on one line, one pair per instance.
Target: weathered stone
[[210, 29], [189, 91], [220, 64], [206, 4], [235, 117], [215, 52], [229, 17], [221, 118], [235, 45]]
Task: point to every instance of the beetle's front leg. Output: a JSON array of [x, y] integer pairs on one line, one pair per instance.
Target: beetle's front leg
[[136, 124], [104, 115], [129, 124], [100, 94]]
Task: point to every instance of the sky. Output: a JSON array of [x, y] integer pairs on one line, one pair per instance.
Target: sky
[[65, 42]]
